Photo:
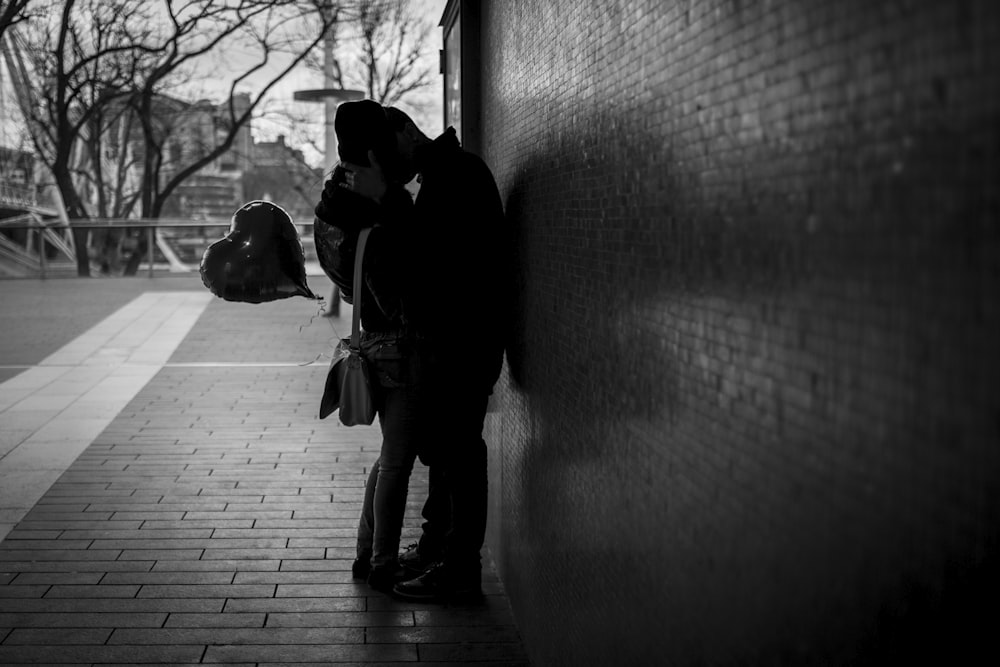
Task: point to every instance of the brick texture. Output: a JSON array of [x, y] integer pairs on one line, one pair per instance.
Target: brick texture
[[214, 520], [750, 413]]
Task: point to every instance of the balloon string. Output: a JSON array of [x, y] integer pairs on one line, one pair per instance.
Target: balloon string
[[333, 341], [319, 311]]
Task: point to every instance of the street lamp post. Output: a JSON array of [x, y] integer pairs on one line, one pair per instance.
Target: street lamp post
[[330, 97]]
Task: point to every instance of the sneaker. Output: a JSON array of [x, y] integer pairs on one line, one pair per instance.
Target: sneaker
[[438, 583], [384, 578], [362, 565], [414, 561], [360, 568]]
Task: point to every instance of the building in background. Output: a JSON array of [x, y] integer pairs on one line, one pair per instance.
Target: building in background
[[248, 170], [279, 173], [216, 190], [18, 164], [25, 198], [17, 179]]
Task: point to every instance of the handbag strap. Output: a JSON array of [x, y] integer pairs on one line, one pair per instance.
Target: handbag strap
[[358, 288]]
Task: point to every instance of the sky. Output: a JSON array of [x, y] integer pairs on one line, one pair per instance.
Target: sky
[[304, 129], [300, 122]]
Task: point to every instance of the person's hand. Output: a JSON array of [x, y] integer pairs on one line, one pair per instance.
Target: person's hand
[[366, 181]]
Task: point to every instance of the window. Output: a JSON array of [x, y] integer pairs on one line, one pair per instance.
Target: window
[[460, 67], [452, 70]]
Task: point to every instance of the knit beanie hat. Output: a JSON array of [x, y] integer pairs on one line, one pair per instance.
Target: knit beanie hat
[[361, 127]]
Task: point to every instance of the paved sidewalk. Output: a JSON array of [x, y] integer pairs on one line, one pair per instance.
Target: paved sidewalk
[[172, 498]]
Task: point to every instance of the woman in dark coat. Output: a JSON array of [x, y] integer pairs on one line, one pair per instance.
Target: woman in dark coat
[[388, 342]]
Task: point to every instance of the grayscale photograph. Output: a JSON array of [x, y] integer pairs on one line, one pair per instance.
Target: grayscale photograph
[[502, 333]]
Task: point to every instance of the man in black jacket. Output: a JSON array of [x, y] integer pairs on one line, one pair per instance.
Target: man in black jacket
[[458, 242]]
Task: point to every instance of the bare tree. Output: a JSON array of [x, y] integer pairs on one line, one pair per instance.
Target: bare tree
[[78, 58], [380, 47], [392, 41], [106, 173], [12, 12], [263, 30], [94, 64]]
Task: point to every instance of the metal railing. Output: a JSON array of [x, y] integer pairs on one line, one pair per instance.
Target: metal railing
[[17, 194], [43, 232]]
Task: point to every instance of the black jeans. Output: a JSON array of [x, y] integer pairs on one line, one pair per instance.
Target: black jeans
[[454, 514], [401, 405], [458, 478], [385, 494]]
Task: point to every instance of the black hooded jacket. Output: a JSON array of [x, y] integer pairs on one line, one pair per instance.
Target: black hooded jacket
[[340, 217], [461, 299], [436, 267], [361, 127]]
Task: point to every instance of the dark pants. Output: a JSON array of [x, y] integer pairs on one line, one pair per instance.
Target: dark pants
[[455, 511], [400, 400], [458, 480]]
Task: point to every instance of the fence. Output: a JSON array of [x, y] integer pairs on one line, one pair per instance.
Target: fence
[[31, 255]]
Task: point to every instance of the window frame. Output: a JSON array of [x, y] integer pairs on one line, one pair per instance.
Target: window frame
[[463, 15]]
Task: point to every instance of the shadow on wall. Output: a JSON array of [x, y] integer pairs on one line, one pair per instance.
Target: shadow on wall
[[566, 473], [757, 386]]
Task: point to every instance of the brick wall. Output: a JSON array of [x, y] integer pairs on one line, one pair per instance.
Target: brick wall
[[751, 415]]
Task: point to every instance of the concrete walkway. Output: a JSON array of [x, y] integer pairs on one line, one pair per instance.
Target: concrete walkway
[[169, 496]]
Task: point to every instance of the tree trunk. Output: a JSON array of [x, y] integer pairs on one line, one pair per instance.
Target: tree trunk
[[135, 257], [150, 176], [80, 237], [74, 211]]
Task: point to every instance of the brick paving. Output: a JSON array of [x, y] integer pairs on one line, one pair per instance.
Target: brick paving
[[213, 519]]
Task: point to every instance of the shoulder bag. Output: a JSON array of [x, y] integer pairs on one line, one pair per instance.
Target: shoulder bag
[[348, 387]]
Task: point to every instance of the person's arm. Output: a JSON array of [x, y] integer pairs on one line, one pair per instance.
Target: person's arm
[[335, 252], [369, 182], [339, 218], [394, 203]]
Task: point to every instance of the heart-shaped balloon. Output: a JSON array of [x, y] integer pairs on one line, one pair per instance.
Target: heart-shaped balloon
[[260, 259]]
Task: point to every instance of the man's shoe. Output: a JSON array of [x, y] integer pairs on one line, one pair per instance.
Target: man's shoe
[[414, 561], [384, 578], [439, 583], [362, 565], [360, 568]]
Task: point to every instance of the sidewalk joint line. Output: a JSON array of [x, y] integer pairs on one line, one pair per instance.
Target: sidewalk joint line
[[240, 364]]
